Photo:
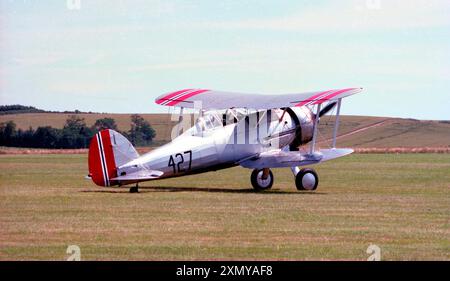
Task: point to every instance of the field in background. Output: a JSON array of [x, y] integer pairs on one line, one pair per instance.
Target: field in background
[[355, 131], [399, 202], [159, 122], [379, 132]]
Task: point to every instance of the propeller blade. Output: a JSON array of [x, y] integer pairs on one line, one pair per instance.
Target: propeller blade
[[327, 108]]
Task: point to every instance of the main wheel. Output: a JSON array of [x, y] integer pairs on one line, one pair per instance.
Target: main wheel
[[307, 179], [258, 182]]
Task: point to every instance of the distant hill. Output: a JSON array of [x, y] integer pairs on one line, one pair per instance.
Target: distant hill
[[355, 131], [383, 132], [19, 109]]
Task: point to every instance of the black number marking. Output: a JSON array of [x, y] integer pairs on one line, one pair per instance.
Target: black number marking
[[180, 169], [177, 167], [172, 163], [190, 158]]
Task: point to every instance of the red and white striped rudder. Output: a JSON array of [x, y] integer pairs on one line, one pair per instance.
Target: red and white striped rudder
[[107, 151]]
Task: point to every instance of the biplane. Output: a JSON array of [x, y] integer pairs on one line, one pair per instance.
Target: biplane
[[255, 131]]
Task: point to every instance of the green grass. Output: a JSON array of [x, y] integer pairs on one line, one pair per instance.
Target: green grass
[[399, 202]]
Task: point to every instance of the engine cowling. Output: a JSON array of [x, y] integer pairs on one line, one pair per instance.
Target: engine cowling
[[304, 120]]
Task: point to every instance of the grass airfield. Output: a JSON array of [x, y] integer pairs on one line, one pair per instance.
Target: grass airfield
[[400, 202]]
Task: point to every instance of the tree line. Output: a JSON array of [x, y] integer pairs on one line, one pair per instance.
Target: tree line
[[74, 134], [17, 108]]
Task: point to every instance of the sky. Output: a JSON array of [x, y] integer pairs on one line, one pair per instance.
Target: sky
[[118, 56]]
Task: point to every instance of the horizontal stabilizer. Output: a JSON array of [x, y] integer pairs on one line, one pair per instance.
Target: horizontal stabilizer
[[141, 175], [279, 158]]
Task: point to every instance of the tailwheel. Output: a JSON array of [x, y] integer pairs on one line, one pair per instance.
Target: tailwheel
[[306, 179], [134, 189], [262, 179]]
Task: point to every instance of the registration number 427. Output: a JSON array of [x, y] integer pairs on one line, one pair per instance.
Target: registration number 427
[[176, 161]]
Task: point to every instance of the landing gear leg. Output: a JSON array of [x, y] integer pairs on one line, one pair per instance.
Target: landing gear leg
[[134, 189], [295, 170]]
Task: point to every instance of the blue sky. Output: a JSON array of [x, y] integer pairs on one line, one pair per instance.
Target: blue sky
[[117, 56]]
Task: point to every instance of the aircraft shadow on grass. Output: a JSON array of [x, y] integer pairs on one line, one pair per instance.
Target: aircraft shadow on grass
[[145, 189]]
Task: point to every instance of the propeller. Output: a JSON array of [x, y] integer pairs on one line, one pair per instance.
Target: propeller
[[327, 108]]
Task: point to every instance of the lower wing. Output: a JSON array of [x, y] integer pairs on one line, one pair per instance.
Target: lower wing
[[279, 158]]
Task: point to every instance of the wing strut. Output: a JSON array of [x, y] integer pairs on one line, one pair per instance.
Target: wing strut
[[336, 123], [316, 123], [180, 121]]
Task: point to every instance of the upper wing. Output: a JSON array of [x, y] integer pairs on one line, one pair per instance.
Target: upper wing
[[210, 99], [280, 158]]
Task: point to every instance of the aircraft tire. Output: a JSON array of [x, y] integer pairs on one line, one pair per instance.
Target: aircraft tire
[[307, 179], [258, 183]]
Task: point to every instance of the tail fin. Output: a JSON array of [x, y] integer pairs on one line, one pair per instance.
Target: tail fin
[[107, 151]]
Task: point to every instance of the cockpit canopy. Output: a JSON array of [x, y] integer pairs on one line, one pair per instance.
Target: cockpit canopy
[[208, 122], [212, 120]]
